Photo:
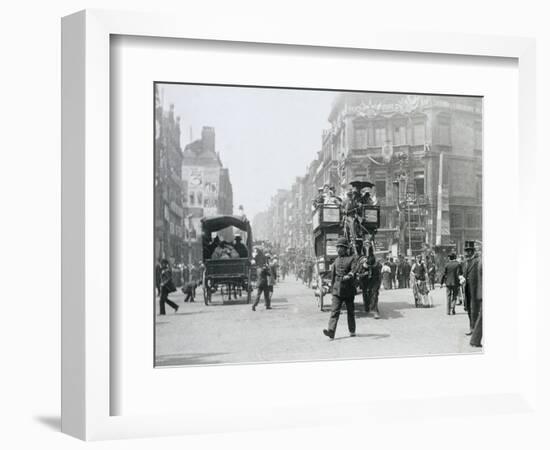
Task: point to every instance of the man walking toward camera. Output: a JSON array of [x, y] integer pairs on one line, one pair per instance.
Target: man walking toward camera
[[265, 284], [166, 287], [343, 289]]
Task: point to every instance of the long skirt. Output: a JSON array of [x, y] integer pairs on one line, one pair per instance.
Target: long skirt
[[421, 293]]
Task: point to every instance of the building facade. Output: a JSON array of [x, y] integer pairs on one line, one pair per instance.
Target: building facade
[[424, 155], [168, 185], [207, 190]]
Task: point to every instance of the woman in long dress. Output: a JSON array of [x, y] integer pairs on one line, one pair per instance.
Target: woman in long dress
[[420, 287], [386, 276]]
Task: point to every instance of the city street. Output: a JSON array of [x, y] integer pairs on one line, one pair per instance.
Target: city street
[[231, 332]]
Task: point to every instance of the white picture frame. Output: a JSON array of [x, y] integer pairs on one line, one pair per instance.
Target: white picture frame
[[86, 317]]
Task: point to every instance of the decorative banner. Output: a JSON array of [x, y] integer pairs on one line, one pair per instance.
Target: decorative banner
[[387, 151], [331, 215]]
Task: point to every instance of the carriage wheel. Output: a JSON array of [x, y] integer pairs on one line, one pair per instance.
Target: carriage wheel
[[249, 287], [205, 290], [207, 294]]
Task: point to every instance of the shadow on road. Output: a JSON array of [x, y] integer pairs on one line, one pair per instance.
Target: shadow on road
[[192, 313], [279, 300], [187, 359], [229, 302], [365, 335]]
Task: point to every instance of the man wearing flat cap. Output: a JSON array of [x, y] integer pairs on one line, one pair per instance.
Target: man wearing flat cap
[[343, 289]]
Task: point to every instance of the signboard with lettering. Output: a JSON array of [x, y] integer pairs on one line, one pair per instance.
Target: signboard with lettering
[[201, 188], [371, 216], [331, 215]]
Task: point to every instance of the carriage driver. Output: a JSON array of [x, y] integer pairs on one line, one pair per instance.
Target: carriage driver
[[343, 288], [265, 283]]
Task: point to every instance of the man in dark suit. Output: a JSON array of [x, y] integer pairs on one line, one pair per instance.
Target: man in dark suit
[[264, 284], [240, 247], [372, 284], [393, 273], [472, 288], [166, 287], [407, 273], [451, 274], [477, 332], [343, 288]]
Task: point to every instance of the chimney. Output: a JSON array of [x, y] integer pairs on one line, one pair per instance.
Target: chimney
[[208, 139]]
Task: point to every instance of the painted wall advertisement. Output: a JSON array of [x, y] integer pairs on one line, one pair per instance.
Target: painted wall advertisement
[[203, 188]]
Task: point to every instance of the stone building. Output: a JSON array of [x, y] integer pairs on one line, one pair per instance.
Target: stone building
[[424, 155], [168, 185], [207, 190]]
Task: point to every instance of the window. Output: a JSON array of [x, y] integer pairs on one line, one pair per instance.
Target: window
[[456, 220], [478, 137], [360, 138], [371, 140], [380, 186], [445, 135], [419, 134], [419, 183], [473, 220], [479, 188], [400, 135], [380, 137], [383, 219], [444, 125]]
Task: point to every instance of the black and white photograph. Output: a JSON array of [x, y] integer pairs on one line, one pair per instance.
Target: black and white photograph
[[305, 225]]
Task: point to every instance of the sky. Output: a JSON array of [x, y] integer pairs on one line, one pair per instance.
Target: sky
[[265, 137]]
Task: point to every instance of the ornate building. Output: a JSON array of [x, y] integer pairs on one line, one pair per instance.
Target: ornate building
[[424, 155]]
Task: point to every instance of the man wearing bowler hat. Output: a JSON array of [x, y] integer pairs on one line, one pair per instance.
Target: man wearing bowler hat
[[343, 288]]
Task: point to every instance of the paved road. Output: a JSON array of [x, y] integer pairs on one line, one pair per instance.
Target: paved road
[[231, 332]]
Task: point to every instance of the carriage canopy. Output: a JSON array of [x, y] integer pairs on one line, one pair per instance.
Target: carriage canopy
[[217, 223]]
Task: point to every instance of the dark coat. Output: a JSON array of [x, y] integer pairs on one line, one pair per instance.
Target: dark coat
[[166, 283], [393, 268], [473, 275], [241, 249], [263, 273], [453, 269], [342, 266], [406, 269]]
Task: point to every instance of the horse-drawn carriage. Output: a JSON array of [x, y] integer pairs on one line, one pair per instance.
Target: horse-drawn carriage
[[228, 275], [332, 221]]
